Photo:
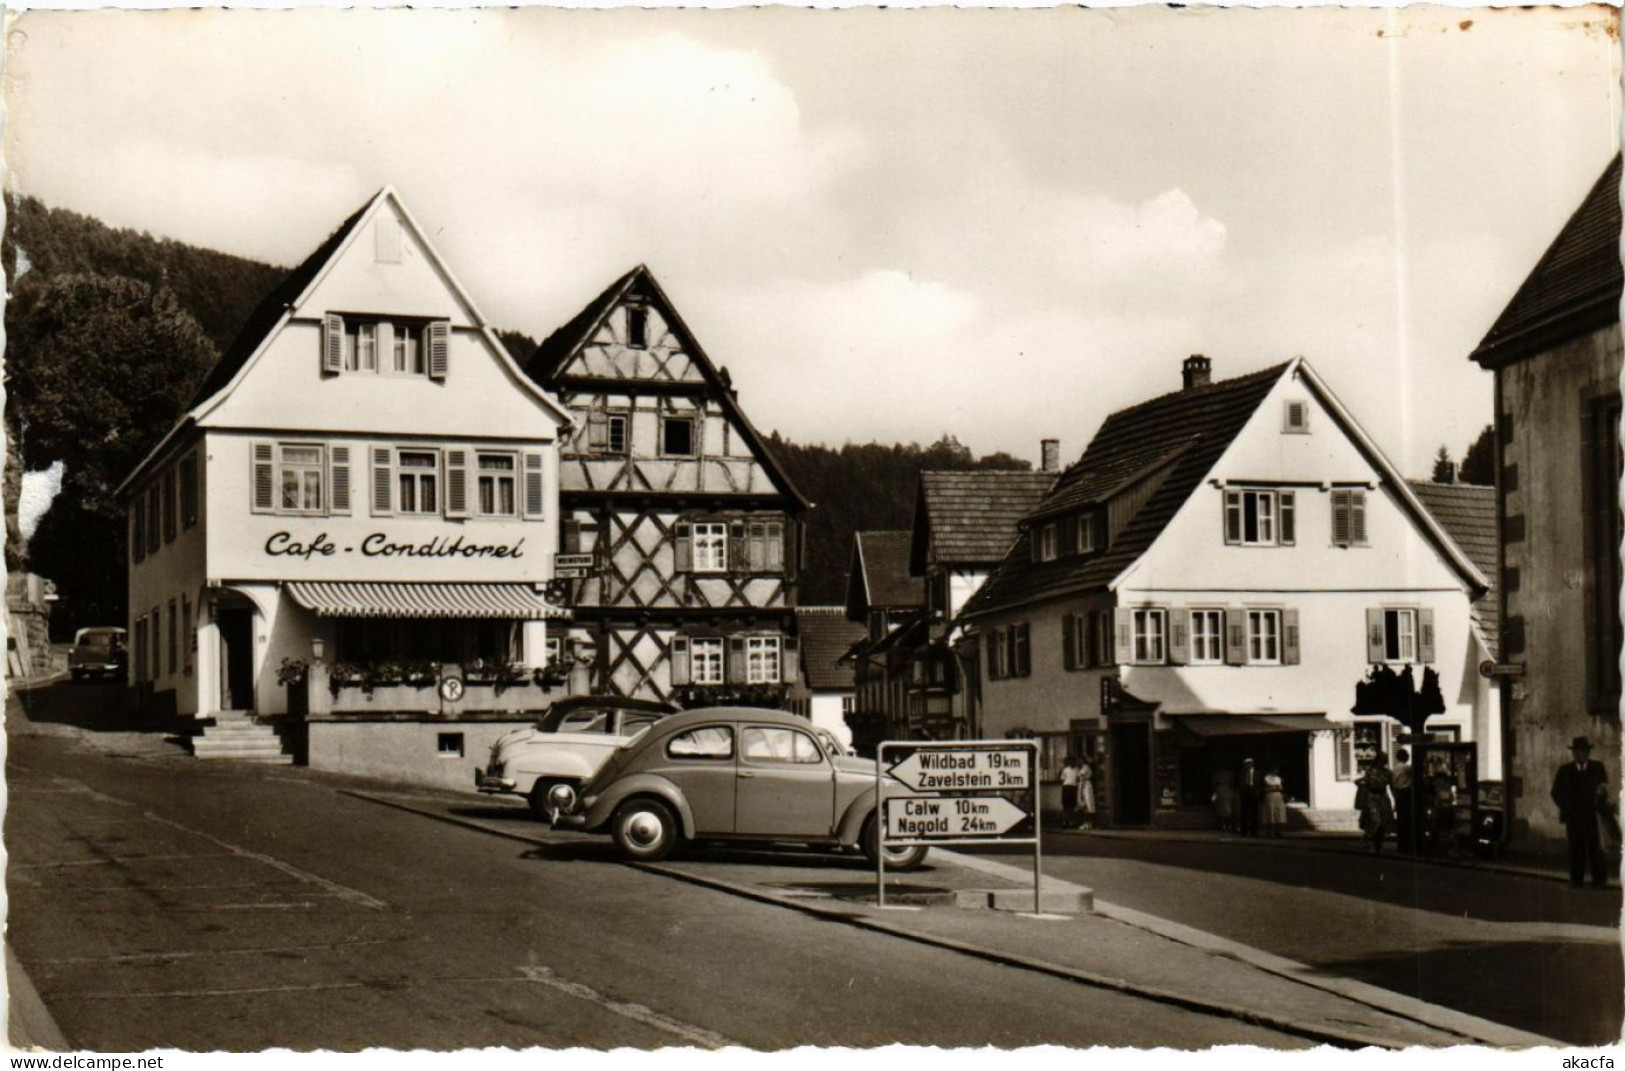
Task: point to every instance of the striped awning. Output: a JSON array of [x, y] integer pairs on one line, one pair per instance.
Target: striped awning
[[347, 599]]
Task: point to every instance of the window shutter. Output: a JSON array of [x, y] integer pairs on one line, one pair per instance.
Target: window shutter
[[138, 529], [1024, 650], [1069, 641], [534, 499], [457, 482], [685, 548], [570, 536], [332, 342], [383, 481], [1424, 635], [1232, 516], [757, 561], [339, 479], [597, 430], [1033, 543], [1289, 637], [1289, 518], [993, 640], [775, 546], [789, 659], [1235, 631], [680, 674], [1343, 742], [169, 497], [1340, 518], [264, 455], [1373, 635], [1123, 630], [736, 660], [1357, 517], [439, 348], [1179, 636], [738, 548]]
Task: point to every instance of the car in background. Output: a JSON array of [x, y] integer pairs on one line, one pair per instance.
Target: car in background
[[733, 774], [98, 653], [566, 747]]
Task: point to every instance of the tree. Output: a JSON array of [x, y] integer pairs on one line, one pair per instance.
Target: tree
[[99, 369], [1444, 470], [1478, 463]]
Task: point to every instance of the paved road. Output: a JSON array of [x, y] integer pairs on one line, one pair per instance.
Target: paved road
[[164, 902], [1523, 951]]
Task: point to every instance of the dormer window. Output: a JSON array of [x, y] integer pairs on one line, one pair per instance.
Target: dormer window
[[1296, 419], [1049, 542], [1084, 534]]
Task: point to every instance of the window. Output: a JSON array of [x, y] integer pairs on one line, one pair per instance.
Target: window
[[188, 637], [1357, 747], [677, 437], [174, 642], [765, 546], [1084, 534], [1075, 648], [385, 347], [554, 646], [849, 704], [1296, 418], [189, 491], [615, 433], [1399, 634], [169, 496], [1259, 518], [713, 743], [138, 528], [139, 655], [497, 473], [998, 654], [360, 347], [299, 477], [762, 660], [710, 547], [407, 350], [1150, 636], [759, 743], [1399, 639], [157, 643], [1049, 542], [1264, 637], [705, 661], [637, 327], [1348, 518], [416, 480], [1018, 651], [154, 518], [1207, 637], [449, 745]]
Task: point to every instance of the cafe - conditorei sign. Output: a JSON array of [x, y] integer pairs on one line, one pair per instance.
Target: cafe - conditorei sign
[[379, 545]]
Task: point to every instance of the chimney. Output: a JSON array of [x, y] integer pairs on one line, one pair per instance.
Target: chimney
[[1050, 452], [1198, 371]]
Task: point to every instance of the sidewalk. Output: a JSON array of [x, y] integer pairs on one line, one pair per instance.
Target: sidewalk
[[1112, 947]]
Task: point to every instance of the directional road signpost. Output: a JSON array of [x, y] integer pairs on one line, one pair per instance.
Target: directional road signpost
[[957, 792]]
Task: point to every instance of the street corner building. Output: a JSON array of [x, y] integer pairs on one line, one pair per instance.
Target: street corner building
[[1214, 580], [686, 533], [340, 550], [1555, 351]]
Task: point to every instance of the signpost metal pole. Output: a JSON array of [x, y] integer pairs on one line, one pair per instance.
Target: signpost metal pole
[[880, 827]]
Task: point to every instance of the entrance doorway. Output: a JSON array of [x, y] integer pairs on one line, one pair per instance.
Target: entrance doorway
[[236, 624], [1131, 798]]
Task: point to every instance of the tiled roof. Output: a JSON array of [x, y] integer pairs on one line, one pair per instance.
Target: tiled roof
[[270, 309], [826, 635], [970, 517], [1467, 513], [1575, 287], [883, 559], [1197, 425]]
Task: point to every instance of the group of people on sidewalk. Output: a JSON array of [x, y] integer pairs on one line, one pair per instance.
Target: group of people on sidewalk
[[1077, 794], [1245, 800], [1418, 809]]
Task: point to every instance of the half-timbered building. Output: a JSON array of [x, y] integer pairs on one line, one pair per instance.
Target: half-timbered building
[[690, 530]]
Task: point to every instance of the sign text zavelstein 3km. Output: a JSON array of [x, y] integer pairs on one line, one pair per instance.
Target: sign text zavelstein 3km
[[957, 792]]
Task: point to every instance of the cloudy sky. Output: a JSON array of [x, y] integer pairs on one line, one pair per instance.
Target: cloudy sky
[[888, 224]]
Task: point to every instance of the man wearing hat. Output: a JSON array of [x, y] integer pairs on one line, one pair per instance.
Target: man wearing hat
[[1248, 786], [1578, 790]]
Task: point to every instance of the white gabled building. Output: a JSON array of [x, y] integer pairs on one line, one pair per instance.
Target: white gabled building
[[365, 482], [1209, 582]]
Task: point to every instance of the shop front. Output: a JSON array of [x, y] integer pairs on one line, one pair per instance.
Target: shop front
[[1197, 753]]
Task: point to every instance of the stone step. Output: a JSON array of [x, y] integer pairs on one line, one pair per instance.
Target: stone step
[[235, 743], [262, 758], [225, 731]]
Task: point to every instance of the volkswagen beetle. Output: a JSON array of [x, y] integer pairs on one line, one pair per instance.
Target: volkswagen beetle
[[566, 747], [731, 774]]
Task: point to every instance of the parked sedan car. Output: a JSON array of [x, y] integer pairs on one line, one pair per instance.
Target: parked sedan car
[[732, 773], [97, 652], [566, 747]]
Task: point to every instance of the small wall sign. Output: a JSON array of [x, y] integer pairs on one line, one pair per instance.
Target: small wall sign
[[451, 689]]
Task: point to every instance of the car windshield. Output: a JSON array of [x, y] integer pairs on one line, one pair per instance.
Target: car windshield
[[586, 721], [103, 641]]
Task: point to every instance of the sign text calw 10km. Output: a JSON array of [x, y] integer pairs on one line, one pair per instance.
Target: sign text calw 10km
[[957, 792]]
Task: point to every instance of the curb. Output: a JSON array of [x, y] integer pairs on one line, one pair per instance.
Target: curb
[[1312, 1032], [1317, 845], [31, 1026], [1437, 1016]]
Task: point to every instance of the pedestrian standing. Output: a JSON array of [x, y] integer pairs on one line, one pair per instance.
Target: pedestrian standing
[[1580, 791], [1248, 788], [1377, 816], [1404, 801], [1224, 799], [1086, 794], [1069, 792], [1274, 803]]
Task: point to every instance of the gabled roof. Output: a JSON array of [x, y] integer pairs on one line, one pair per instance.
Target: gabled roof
[[1467, 512], [826, 637], [880, 579], [1195, 427], [1196, 424], [556, 350], [1574, 288], [970, 517]]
